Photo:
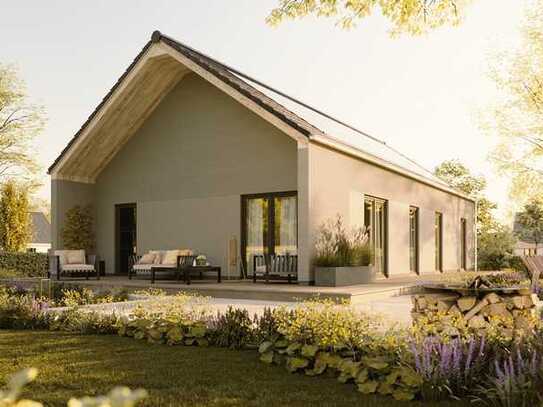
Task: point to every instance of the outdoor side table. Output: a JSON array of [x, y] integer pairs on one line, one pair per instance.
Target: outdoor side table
[[201, 269]]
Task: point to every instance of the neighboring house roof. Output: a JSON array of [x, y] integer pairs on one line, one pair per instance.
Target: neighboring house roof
[[305, 119], [41, 228]]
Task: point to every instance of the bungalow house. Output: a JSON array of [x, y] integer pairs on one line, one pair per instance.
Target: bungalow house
[[185, 151]]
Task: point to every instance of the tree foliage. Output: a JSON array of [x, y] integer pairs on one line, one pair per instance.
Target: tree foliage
[[20, 122], [15, 228], [459, 177], [495, 248], [516, 118], [531, 221], [78, 230], [412, 17]]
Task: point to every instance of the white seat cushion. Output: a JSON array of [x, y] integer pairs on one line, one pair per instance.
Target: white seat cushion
[[142, 267], [78, 267], [260, 269], [164, 266]]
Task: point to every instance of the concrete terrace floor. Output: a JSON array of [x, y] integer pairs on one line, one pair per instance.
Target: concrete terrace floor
[[386, 298], [272, 291]]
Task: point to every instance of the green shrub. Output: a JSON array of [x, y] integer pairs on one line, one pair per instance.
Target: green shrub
[[337, 247], [233, 329], [25, 264]]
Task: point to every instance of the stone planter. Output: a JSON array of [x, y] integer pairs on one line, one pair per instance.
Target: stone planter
[[343, 276]]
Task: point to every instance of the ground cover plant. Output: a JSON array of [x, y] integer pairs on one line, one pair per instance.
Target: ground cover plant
[[320, 338]]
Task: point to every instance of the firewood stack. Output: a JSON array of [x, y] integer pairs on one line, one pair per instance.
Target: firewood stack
[[477, 308]]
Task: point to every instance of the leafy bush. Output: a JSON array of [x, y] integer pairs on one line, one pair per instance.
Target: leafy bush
[[336, 247], [78, 230], [25, 264], [233, 329], [495, 249]]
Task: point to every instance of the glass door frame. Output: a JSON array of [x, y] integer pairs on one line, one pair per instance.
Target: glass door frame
[[438, 237], [415, 211], [463, 244], [271, 221], [371, 222]]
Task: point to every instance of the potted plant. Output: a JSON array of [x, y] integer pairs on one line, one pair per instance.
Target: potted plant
[[342, 257]]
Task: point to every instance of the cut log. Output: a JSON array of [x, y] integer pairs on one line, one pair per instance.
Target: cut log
[[492, 298], [518, 302], [498, 309], [444, 306], [475, 310], [454, 310], [466, 303], [477, 322], [421, 302]]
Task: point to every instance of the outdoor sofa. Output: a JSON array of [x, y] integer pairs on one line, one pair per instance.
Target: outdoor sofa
[[169, 262], [73, 263], [275, 266]]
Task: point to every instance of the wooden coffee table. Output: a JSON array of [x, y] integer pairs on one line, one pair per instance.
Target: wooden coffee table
[[201, 269]]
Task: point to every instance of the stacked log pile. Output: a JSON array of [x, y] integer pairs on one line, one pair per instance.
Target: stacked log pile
[[477, 308]]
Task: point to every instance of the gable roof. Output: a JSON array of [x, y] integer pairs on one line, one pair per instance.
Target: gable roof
[[41, 228], [308, 121]]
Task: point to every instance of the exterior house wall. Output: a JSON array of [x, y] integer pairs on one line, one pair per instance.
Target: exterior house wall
[[340, 182], [64, 196], [187, 167]]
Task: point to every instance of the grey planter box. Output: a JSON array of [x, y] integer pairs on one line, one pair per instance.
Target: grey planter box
[[343, 276]]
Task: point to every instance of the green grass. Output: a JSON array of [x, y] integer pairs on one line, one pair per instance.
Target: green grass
[[73, 365]]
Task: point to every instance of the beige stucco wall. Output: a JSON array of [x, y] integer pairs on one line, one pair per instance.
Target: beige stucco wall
[[339, 182], [187, 168]]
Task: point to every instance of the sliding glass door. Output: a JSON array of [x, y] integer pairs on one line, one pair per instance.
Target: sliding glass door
[[375, 219], [414, 239], [269, 226], [438, 231], [463, 244]]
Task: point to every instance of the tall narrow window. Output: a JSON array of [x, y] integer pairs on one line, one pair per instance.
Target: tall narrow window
[[414, 239], [269, 225], [438, 229], [375, 218], [463, 244]]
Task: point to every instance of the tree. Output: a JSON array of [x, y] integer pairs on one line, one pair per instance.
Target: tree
[[15, 230], [531, 221], [20, 122], [413, 17], [495, 248], [78, 230], [516, 118], [459, 177]]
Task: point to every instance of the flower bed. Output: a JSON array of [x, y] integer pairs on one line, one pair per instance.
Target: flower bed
[[318, 338]]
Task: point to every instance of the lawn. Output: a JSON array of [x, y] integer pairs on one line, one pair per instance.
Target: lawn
[[74, 365]]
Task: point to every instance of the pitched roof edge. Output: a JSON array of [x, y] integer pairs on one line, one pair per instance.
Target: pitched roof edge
[[100, 105], [344, 148]]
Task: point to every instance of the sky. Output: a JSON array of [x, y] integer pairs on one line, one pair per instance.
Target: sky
[[422, 95]]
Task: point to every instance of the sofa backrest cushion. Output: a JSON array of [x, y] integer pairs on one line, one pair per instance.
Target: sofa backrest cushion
[[147, 258], [70, 256]]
